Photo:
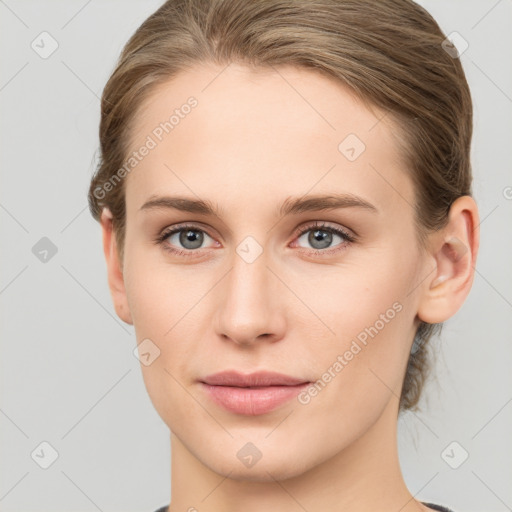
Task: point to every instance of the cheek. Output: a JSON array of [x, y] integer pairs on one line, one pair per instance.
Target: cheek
[[168, 308], [371, 314], [162, 306], [352, 299], [161, 301], [361, 370], [159, 294]]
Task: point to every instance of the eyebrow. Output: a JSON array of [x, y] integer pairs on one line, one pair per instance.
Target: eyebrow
[[292, 205]]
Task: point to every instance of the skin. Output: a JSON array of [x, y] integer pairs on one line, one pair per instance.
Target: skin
[[252, 142]]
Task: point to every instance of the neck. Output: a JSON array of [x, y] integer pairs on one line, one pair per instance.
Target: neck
[[364, 476]]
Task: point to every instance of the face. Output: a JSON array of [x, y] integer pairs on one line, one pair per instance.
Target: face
[[322, 294]]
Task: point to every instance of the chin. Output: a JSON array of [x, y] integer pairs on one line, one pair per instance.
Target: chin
[[263, 473], [269, 468]]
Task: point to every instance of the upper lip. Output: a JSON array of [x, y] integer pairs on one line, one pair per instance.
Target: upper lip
[[261, 378]]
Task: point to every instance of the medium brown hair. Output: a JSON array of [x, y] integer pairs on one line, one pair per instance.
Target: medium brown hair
[[389, 52]]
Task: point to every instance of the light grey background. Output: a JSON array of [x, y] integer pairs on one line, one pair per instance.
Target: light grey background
[[69, 376]]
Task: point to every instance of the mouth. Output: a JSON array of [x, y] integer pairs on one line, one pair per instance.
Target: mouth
[[257, 379], [251, 394]]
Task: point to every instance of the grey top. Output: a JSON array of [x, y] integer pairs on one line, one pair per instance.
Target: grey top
[[429, 505], [433, 506]]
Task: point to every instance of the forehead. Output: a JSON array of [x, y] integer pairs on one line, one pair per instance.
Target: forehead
[[266, 134]]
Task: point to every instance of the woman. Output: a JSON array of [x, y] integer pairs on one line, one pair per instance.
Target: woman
[[285, 199]]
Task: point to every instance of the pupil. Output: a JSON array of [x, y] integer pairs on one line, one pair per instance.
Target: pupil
[[191, 237], [324, 237]]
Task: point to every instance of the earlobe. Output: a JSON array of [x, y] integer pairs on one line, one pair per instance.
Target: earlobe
[[114, 270], [454, 250]]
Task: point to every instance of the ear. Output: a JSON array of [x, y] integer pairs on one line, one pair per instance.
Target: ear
[[114, 270], [453, 251]]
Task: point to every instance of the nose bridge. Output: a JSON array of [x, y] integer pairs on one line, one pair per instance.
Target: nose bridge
[[248, 307]]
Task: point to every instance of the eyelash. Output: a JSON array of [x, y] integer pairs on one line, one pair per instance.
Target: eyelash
[[349, 239]]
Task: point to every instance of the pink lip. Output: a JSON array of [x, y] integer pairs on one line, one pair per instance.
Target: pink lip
[[252, 394]]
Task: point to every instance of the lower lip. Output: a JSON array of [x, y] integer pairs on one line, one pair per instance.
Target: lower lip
[[252, 401]]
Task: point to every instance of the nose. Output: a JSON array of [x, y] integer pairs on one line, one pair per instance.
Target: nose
[[250, 306]]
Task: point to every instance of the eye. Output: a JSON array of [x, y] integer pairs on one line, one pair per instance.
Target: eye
[[183, 239], [321, 237]]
